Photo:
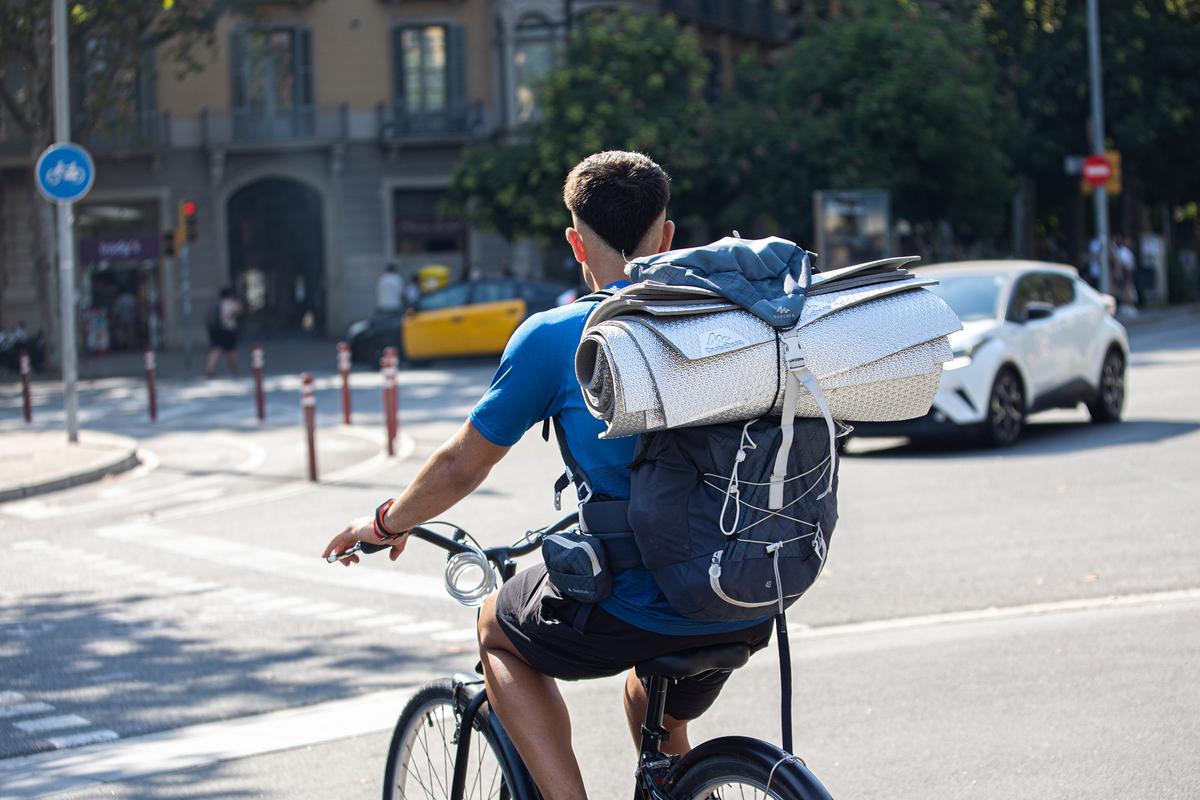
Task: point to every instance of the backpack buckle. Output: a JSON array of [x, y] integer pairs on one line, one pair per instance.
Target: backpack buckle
[[793, 353]]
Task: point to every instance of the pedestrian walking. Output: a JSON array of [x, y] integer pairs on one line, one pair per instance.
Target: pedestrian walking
[[389, 290], [222, 321], [1126, 265]]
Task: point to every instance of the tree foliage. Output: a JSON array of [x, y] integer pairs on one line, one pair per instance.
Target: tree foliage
[[108, 41], [886, 94], [628, 81], [1150, 51]]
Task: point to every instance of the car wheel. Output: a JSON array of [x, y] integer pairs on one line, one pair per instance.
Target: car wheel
[[1006, 409], [1110, 396]]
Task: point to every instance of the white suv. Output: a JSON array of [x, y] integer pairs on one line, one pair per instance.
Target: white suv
[[1034, 336]]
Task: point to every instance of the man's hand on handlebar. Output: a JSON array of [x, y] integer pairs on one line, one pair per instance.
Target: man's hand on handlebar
[[360, 530]]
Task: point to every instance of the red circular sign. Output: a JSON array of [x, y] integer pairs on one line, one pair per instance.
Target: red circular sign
[[1097, 170]]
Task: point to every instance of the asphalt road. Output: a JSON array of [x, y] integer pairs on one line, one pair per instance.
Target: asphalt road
[[992, 625]]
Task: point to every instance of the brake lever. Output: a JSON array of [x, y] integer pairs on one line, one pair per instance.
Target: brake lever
[[366, 548]]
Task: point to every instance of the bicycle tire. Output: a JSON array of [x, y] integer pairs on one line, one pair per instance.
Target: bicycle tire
[[432, 708], [738, 766]]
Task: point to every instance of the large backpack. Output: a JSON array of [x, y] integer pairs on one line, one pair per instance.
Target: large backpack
[[731, 363]]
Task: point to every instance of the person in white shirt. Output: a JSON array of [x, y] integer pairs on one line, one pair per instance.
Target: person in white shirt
[[389, 290]]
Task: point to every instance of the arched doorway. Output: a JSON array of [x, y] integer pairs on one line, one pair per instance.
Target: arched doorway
[[276, 256]]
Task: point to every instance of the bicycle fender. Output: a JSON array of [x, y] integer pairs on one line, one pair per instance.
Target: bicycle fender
[[792, 777]]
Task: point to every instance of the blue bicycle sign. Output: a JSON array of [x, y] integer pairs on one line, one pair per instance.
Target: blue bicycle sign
[[65, 172]]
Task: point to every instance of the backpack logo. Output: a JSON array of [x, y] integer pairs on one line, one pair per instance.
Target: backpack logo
[[721, 340]]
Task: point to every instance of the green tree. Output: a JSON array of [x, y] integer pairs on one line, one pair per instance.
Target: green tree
[[1150, 53], [110, 42], [885, 94], [628, 81]]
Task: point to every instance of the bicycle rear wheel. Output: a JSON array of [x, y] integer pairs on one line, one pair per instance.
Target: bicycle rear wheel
[[742, 768], [420, 764]]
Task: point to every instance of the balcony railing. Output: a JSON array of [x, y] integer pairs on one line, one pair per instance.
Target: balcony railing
[[458, 120], [254, 126], [147, 132]]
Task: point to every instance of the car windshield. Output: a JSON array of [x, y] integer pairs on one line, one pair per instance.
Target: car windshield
[[971, 296]]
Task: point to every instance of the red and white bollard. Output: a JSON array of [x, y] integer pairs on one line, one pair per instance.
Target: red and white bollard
[[308, 404], [343, 365], [388, 363], [25, 400], [256, 364], [151, 391]]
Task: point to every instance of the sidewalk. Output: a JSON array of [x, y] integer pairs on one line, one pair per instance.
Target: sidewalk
[[1159, 315], [281, 356], [33, 463]]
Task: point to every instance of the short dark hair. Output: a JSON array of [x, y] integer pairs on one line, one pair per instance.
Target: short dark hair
[[619, 195]]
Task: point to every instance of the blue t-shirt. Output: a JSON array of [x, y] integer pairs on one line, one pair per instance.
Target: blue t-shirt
[[536, 381]]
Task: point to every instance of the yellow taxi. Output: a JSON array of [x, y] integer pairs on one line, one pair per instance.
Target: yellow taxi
[[466, 319]]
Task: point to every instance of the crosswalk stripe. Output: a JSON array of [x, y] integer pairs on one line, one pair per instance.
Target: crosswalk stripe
[[24, 709], [52, 723], [10, 697], [420, 627], [467, 635], [380, 621]]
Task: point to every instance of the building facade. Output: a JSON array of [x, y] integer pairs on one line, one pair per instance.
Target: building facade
[[316, 143]]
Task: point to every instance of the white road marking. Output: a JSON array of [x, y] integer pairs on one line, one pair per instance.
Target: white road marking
[[198, 745], [382, 620], [420, 627], [312, 609], [273, 562], [467, 635], [24, 710], [406, 446], [82, 739], [52, 723], [995, 613], [10, 697]]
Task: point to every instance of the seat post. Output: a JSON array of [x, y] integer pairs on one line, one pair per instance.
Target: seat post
[[653, 732]]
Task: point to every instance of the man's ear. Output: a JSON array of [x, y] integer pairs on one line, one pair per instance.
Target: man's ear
[[668, 236], [576, 242]]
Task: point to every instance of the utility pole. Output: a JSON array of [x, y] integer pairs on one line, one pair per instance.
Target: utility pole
[[66, 244], [1100, 193]]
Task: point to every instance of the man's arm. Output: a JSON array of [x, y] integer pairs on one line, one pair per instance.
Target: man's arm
[[453, 471]]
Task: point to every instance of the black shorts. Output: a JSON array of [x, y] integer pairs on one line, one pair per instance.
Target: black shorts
[[223, 338], [542, 624]]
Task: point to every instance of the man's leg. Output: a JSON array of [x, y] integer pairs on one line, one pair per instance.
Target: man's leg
[[532, 710], [635, 714]]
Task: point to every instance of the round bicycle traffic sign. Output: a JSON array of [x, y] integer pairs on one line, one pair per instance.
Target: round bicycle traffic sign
[[1097, 170], [65, 172]]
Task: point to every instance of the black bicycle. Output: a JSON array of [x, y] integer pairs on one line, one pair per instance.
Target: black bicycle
[[448, 745]]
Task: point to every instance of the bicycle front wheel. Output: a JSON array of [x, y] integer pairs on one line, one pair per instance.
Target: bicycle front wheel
[[422, 754], [742, 768]]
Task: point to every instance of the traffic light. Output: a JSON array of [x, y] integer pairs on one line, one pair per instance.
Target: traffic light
[[188, 208], [168, 244]]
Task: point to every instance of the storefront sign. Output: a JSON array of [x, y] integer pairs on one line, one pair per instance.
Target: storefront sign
[[125, 248]]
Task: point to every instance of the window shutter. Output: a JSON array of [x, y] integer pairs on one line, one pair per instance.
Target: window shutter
[[456, 66], [147, 83], [237, 44], [304, 68], [398, 67]]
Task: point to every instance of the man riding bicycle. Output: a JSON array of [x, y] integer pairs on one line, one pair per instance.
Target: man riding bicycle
[[529, 633]]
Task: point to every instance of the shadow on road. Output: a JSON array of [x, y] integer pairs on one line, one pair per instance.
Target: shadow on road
[[1040, 439], [124, 665]]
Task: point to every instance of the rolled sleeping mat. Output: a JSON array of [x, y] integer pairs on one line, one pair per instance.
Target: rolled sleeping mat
[[876, 352]]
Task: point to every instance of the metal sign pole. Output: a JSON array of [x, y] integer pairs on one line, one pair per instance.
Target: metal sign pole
[[1101, 194], [66, 245]]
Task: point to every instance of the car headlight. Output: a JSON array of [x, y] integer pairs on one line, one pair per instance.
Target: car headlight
[[357, 328], [963, 355]]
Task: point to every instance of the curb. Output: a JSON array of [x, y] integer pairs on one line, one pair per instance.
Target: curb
[[125, 459]]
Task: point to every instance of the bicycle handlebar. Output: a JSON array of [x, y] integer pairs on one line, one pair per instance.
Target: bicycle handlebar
[[453, 545]]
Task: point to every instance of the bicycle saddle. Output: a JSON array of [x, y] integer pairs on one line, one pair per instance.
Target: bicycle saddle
[[687, 663]]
